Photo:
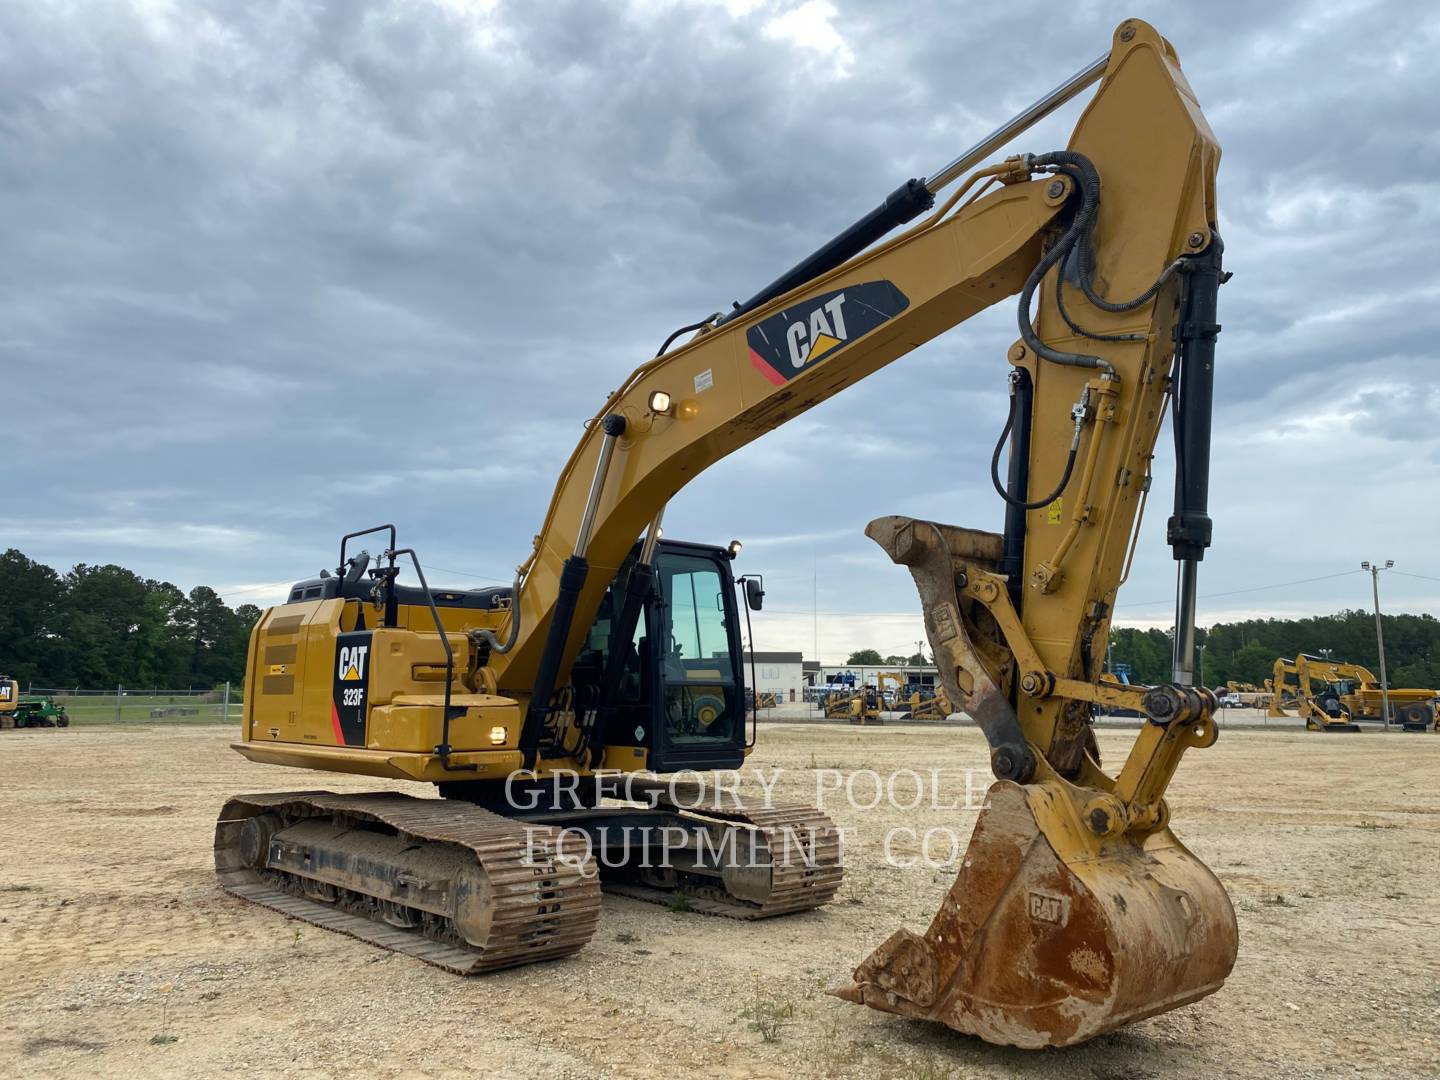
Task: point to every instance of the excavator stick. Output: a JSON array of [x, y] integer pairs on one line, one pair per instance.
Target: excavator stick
[[1033, 948], [1076, 910]]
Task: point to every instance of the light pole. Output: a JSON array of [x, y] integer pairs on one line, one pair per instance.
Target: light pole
[[1380, 636], [1201, 650]]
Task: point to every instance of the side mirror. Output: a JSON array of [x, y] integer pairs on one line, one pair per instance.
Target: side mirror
[[754, 593]]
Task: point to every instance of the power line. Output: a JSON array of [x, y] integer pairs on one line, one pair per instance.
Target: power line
[[283, 586], [896, 614], [1240, 592], [279, 586], [1422, 577], [1142, 603], [467, 574]]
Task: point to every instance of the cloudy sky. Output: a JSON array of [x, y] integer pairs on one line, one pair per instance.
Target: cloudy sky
[[275, 270]]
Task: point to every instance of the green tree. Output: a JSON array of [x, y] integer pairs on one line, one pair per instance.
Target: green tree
[[160, 659], [30, 599], [867, 657], [100, 626], [212, 633], [1148, 653]]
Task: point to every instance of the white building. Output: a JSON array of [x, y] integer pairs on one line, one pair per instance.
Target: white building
[[778, 673]]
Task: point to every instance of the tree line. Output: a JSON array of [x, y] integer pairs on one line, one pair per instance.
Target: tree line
[[872, 658], [1246, 651], [105, 626]]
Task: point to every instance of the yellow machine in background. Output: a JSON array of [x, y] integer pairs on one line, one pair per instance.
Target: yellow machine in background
[[9, 700], [1356, 692], [1292, 682], [860, 707], [1285, 687], [891, 685], [1077, 909], [1348, 693], [922, 705]]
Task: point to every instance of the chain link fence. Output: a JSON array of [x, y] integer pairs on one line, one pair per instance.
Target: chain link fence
[[141, 705]]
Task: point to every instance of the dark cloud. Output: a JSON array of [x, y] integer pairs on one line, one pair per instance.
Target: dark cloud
[[275, 270]]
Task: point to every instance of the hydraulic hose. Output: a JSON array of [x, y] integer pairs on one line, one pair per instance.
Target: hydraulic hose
[[685, 330], [1079, 168], [488, 636], [1065, 314], [1077, 244], [995, 465]]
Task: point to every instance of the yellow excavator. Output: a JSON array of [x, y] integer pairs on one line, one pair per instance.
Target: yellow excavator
[[1348, 694], [1292, 680], [891, 685], [9, 701], [540, 711]]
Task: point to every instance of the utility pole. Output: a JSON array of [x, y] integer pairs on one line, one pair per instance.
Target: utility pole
[[815, 605], [1380, 635]]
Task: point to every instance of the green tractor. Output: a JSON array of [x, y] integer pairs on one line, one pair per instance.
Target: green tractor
[[29, 711]]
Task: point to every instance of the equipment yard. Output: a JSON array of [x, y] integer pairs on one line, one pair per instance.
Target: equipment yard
[[122, 956]]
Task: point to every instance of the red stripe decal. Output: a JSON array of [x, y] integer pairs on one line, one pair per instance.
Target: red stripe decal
[[765, 369], [335, 723]]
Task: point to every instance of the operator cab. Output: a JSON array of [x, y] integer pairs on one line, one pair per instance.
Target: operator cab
[[681, 687]]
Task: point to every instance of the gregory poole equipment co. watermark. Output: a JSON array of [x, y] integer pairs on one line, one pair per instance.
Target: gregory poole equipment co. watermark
[[688, 809], [861, 789]]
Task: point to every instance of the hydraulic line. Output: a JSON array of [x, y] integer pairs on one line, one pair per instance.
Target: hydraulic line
[[1079, 168], [488, 636], [1070, 322], [1064, 476], [685, 330], [1077, 242]]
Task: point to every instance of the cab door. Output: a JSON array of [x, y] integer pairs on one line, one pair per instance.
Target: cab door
[[693, 632]]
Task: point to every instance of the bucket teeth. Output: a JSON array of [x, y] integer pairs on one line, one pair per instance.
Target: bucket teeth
[[1033, 949]]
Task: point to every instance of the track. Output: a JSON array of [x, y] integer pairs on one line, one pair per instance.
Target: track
[[797, 849], [445, 882]]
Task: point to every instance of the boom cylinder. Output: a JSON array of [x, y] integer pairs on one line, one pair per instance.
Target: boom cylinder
[[637, 590], [914, 197], [905, 203], [1087, 76], [572, 581]]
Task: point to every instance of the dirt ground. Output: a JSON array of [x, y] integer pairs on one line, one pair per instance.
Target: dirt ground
[[120, 957]]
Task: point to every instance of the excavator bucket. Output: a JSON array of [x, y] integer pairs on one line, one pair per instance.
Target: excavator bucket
[[1052, 935]]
